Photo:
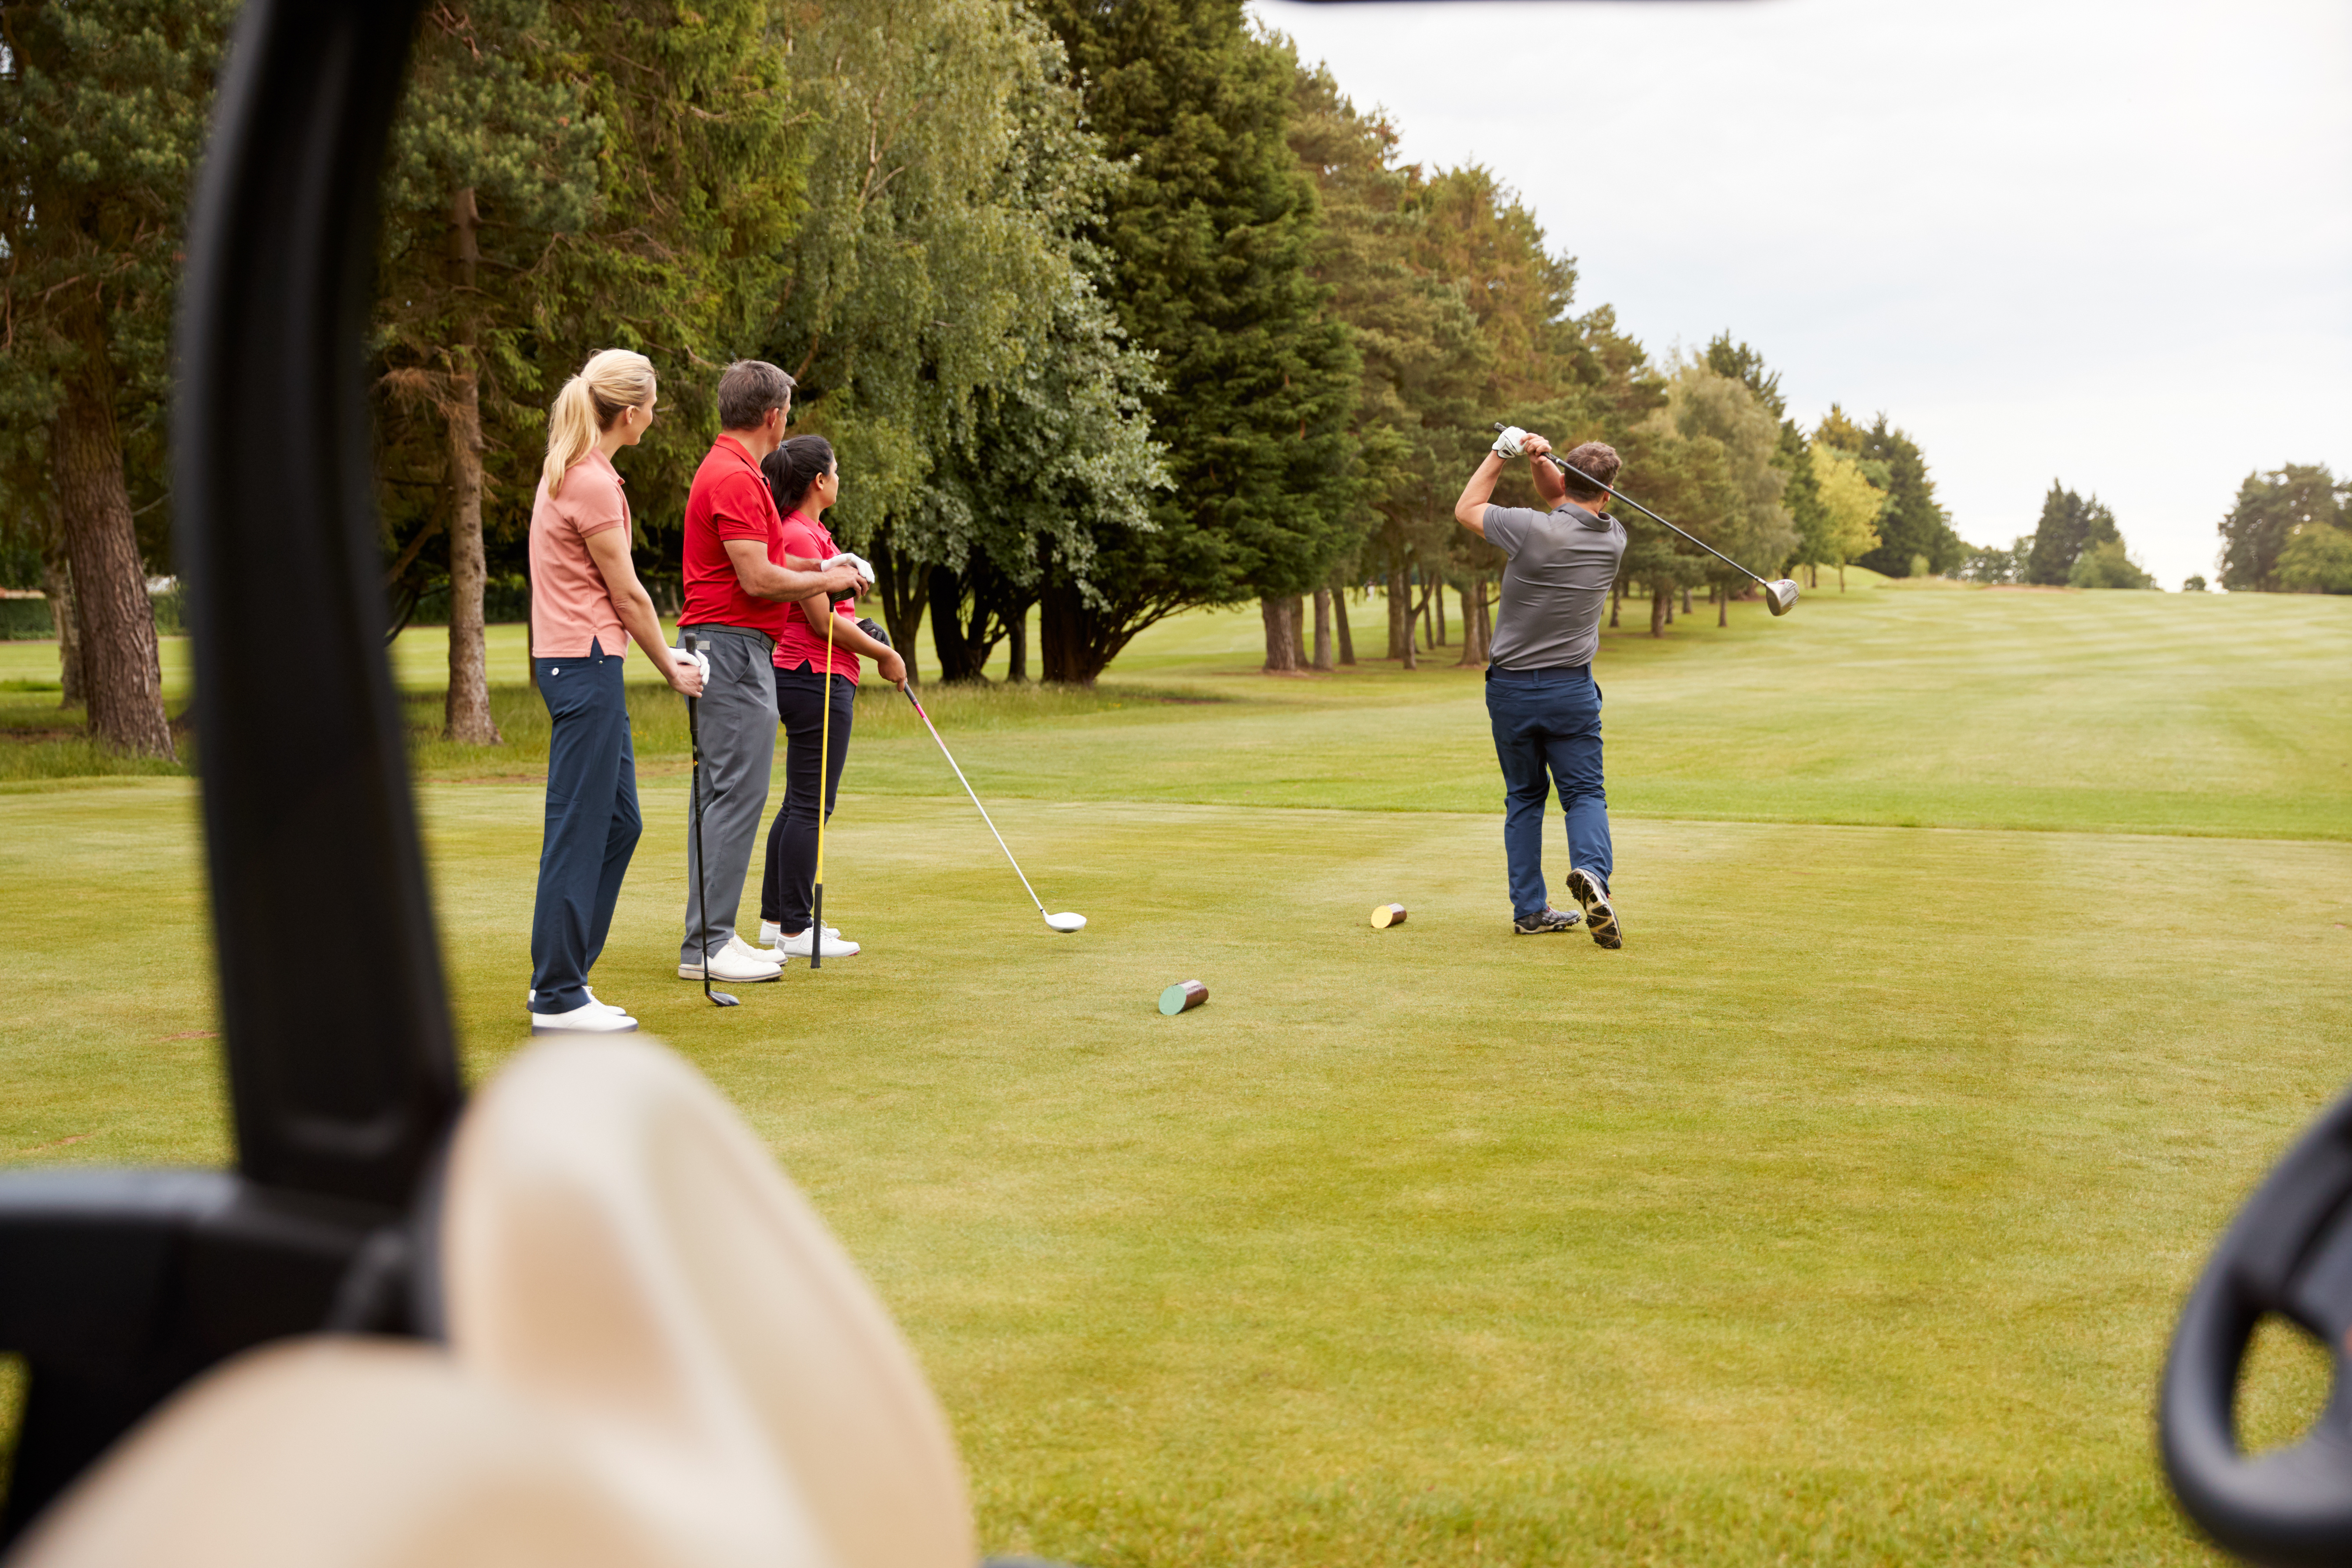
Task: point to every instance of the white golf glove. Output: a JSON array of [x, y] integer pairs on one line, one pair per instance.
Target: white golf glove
[[701, 659], [865, 567], [1511, 442]]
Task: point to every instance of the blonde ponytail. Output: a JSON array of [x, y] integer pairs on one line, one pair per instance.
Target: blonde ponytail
[[589, 404]]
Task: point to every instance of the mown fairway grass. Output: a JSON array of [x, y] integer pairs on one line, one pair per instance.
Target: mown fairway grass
[[1982, 949]]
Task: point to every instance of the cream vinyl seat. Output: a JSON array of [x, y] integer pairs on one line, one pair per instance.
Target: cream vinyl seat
[[658, 1356]]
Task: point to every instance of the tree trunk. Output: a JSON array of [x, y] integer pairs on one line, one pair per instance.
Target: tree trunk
[[1400, 598], [1659, 602], [465, 712], [1722, 606], [1016, 669], [1841, 577], [1340, 614], [1686, 598], [122, 677], [1297, 623], [1474, 604], [904, 589], [57, 585], [1422, 616], [1437, 594], [1281, 638], [1616, 600], [1323, 628], [1670, 604]]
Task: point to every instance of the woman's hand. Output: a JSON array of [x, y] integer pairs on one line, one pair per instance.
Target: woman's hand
[[893, 668], [684, 672]]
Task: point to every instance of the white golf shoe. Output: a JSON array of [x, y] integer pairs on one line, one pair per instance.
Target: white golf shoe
[[799, 946], [771, 933], [531, 996], [738, 963], [588, 1018]]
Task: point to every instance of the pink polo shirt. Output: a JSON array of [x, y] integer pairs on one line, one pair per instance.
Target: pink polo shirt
[[571, 603]]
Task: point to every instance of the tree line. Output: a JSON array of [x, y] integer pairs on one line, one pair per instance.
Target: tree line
[[1111, 311]]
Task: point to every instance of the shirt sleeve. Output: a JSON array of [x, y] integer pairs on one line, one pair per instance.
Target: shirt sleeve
[[598, 507], [1507, 526], [739, 508]]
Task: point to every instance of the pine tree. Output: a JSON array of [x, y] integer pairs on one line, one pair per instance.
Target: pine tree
[[492, 159], [1913, 525], [2068, 526], [102, 108], [1208, 247]]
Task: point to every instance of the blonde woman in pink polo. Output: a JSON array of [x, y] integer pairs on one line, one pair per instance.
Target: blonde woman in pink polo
[[586, 606]]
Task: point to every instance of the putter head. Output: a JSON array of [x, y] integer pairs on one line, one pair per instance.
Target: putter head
[[1780, 596], [1066, 921]]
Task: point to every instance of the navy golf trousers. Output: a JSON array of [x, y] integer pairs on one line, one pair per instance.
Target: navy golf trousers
[[591, 824], [1547, 731]]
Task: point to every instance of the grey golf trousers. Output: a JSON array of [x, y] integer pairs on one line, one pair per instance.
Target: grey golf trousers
[[737, 721]]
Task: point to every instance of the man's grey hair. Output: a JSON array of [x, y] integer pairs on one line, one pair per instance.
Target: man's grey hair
[[748, 391]]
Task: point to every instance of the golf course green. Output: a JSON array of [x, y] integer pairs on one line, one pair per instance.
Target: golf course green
[[1983, 947]]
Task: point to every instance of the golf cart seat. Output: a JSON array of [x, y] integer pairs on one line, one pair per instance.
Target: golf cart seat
[[331, 1452], [658, 1356]]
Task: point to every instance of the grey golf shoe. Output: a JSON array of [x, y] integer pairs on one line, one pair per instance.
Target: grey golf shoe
[[1550, 921], [1600, 918]]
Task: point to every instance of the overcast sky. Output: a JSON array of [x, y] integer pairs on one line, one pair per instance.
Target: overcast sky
[[2109, 244]]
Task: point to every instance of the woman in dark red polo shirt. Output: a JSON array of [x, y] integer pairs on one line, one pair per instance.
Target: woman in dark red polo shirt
[[805, 479], [586, 605]]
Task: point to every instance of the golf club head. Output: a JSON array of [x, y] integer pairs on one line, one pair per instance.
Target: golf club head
[[1066, 921], [1780, 596], [721, 999]]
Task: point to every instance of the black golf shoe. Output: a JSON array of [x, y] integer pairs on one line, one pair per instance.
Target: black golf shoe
[[1551, 920], [1592, 894]]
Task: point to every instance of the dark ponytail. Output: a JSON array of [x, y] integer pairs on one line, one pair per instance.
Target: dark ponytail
[[793, 466]]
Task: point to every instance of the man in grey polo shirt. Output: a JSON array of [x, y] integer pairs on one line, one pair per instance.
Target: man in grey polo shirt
[[1540, 695]]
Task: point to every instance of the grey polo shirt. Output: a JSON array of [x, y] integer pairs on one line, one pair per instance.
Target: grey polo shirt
[[1556, 585]]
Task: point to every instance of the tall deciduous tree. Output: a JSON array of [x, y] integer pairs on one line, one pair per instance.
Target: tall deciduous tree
[[1851, 504], [1208, 244], [101, 117], [2270, 510], [1755, 526], [943, 317]]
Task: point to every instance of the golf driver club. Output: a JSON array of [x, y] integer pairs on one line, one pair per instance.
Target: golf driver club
[[1780, 594], [824, 761], [701, 898], [1064, 922]]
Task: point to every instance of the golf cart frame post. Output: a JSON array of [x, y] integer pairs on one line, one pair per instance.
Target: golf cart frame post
[[118, 1286]]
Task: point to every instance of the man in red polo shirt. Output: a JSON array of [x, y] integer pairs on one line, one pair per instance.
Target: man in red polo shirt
[[739, 580]]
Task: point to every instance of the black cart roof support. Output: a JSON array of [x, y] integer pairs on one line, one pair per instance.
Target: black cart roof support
[[117, 1286]]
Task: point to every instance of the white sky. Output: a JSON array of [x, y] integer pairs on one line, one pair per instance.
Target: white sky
[[2108, 243]]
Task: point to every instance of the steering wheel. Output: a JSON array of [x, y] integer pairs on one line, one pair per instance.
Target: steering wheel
[[2289, 1253]]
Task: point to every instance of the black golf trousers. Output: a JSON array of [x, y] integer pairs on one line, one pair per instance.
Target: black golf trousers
[[591, 824], [791, 839]]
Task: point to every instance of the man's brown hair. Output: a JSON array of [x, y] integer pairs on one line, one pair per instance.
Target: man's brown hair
[[748, 391], [1597, 458]]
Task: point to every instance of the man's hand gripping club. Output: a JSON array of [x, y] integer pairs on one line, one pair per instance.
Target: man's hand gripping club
[[1470, 511]]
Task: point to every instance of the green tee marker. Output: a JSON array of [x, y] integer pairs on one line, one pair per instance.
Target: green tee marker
[[1182, 998]]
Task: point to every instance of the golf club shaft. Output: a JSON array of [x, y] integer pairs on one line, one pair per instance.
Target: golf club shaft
[[975, 800], [824, 767], [1555, 460], [701, 897]]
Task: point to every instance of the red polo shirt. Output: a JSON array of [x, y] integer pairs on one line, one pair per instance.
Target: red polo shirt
[[729, 501], [802, 647]]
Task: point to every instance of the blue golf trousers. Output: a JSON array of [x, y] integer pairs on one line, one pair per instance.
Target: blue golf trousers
[[1547, 731], [591, 824]]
